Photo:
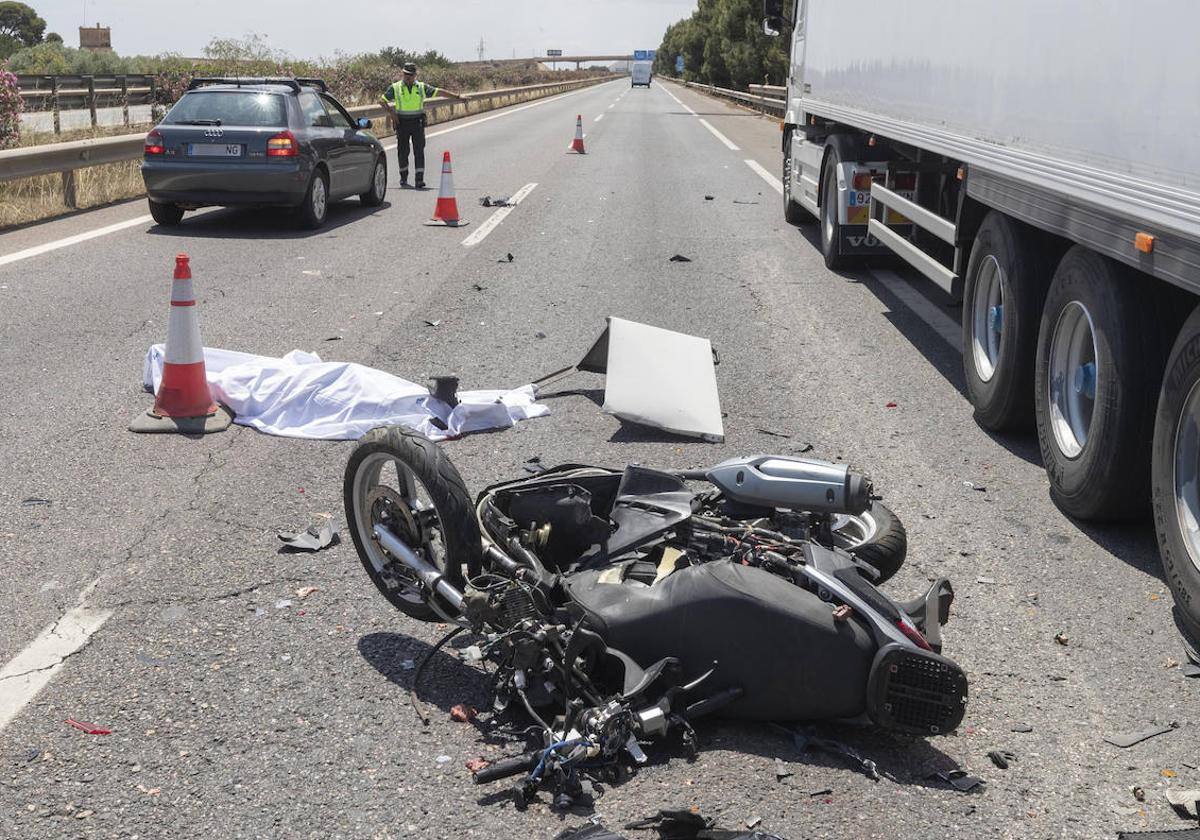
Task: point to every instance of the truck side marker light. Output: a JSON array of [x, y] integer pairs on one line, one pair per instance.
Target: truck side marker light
[[1144, 242], [962, 173]]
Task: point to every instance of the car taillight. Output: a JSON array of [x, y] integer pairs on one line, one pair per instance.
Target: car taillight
[[282, 144], [154, 143]]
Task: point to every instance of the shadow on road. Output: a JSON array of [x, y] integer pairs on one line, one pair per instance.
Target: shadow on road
[[263, 222], [446, 680], [1133, 542]]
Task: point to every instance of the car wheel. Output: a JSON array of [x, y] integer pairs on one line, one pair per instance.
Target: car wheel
[[165, 214], [375, 195], [316, 202]]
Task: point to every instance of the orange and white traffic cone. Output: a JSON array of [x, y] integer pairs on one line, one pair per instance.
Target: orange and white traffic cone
[[577, 146], [184, 402], [445, 214]]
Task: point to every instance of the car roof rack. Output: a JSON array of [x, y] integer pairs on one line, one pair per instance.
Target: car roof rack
[[241, 81], [320, 83]]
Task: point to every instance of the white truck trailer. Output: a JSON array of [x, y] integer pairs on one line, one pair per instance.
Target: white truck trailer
[[1039, 161]]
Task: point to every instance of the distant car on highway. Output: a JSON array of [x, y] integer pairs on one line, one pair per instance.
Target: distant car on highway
[[261, 142]]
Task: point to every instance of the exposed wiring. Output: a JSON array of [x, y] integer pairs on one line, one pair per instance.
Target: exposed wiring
[[412, 692]]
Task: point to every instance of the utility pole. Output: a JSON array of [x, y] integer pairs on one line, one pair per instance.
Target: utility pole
[[480, 48]]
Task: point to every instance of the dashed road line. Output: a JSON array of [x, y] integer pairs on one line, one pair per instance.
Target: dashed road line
[[928, 311], [496, 218], [729, 144], [775, 183], [598, 118]]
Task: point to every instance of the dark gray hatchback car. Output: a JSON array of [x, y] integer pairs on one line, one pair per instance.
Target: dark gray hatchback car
[[261, 142]]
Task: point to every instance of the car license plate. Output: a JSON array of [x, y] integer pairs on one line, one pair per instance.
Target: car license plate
[[215, 149]]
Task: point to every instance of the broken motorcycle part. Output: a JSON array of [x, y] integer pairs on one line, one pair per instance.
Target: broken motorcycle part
[[575, 583]]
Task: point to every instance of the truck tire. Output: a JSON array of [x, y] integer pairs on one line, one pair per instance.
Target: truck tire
[[1003, 293], [1175, 471], [793, 212], [831, 228], [1099, 364]]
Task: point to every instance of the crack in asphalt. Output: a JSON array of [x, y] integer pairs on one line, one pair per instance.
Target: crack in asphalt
[[54, 632]]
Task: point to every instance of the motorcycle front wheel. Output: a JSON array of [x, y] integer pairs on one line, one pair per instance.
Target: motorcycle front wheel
[[399, 479], [875, 536]]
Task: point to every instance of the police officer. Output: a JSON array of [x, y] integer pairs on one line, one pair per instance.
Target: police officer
[[407, 97]]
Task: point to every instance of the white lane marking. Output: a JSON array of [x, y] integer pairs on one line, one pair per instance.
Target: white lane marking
[[775, 183], [17, 256], [502, 113], [677, 100], [496, 218], [598, 118], [921, 306], [610, 107], [29, 671], [728, 143]]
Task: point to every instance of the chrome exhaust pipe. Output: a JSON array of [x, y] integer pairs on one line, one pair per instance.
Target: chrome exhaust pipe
[[434, 580]]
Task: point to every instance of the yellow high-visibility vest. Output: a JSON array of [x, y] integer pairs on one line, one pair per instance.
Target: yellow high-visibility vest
[[409, 100]]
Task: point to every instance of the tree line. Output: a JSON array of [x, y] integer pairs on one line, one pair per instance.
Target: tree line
[[723, 44]]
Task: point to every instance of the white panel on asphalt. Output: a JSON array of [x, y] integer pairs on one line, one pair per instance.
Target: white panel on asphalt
[[775, 183], [28, 672], [678, 392], [598, 118], [496, 218], [921, 306], [729, 144]]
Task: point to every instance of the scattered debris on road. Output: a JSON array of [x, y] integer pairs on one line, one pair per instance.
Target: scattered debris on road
[[960, 780], [502, 201], [806, 740], [1021, 727], [304, 591], [430, 323], [1062, 638], [781, 770], [1128, 739], [462, 713], [507, 258], [1185, 802], [679, 258], [476, 764], [318, 535], [88, 728], [1001, 758], [33, 501]]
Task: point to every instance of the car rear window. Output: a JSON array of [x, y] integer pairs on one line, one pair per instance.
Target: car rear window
[[231, 107]]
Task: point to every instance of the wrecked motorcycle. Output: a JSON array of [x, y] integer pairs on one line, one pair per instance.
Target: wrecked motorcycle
[[618, 606]]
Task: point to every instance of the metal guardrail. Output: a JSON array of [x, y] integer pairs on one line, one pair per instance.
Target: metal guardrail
[[760, 97], [65, 158], [76, 93]]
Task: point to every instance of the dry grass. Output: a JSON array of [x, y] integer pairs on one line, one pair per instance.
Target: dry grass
[[31, 199]]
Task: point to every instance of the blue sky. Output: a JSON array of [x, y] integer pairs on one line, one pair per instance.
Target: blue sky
[[451, 26]]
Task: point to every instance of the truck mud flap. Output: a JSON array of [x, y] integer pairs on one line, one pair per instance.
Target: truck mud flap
[[857, 241]]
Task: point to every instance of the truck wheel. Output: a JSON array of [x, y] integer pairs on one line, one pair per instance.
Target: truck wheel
[[1099, 364], [1003, 294], [1175, 478], [831, 228], [793, 212]]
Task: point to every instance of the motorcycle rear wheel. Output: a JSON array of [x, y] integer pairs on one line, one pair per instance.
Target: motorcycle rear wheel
[[875, 536], [398, 478]]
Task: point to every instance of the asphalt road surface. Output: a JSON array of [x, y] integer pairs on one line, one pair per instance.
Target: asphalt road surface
[[235, 715]]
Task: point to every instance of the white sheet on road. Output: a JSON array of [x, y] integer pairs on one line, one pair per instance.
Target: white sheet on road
[[304, 397]]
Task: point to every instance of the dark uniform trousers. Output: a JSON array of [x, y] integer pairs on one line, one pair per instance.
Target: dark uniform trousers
[[411, 130]]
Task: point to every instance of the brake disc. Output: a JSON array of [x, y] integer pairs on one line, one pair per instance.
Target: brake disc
[[390, 509]]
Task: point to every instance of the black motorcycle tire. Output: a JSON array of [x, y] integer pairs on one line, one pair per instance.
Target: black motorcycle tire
[[885, 544], [450, 498]]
